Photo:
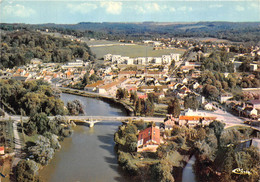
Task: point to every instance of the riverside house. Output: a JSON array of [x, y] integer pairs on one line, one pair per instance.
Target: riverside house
[[148, 140]]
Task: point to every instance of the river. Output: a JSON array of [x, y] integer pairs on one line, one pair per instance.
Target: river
[[88, 155], [188, 175]]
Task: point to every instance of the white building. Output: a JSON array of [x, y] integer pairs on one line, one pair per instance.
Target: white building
[[141, 61], [176, 57], [77, 63], [166, 59], [253, 67], [108, 57], [130, 61], [157, 60], [115, 58]]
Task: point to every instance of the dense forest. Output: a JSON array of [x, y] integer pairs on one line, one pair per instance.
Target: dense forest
[[19, 47], [29, 98], [233, 31]]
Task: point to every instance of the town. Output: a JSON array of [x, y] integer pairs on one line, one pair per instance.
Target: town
[[203, 95]]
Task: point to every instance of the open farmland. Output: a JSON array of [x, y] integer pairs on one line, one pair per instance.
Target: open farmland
[[131, 50]]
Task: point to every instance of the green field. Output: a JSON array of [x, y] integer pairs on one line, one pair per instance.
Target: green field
[[133, 51]]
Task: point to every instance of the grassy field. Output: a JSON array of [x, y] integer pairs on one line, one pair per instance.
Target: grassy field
[[131, 50]]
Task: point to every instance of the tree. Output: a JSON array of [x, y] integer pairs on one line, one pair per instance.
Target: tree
[[190, 101], [41, 121], [26, 170], [42, 151], [138, 106], [174, 107], [161, 171], [211, 91], [218, 128], [245, 66], [133, 97], [149, 109], [121, 93], [75, 107], [131, 142]]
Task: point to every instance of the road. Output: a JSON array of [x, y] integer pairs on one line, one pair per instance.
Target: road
[[225, 117], [17, 144]]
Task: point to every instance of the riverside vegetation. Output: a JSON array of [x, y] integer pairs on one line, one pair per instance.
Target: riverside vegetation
[[41, 135], [209, 144]]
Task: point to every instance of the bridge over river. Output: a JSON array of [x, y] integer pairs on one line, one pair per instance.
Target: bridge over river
[[97, 118], [91, 120]]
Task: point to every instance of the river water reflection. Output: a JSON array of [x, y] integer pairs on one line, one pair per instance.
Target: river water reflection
[[88, 155]]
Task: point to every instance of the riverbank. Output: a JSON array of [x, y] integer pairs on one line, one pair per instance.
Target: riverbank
[[88, 155], [109, 99]]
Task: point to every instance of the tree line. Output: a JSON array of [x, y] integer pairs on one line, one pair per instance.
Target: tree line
[[19, 47], [29, 98]]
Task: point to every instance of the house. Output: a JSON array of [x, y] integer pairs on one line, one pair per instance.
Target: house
[[224, 97], [77, 63], [195, 85], [36, 61], [250, 112], [195, 120], [93, 87], [209, 107], [126, 74], [148, 139], [160, 95], [187, 68], [147, 89], [111, 87], [169, 123], [185, 81], [253, 67], [2, 150]]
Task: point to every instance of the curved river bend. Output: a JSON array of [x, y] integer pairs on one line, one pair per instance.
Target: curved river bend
[[88, 155]]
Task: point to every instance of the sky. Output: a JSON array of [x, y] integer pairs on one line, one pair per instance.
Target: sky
[[75, 11]]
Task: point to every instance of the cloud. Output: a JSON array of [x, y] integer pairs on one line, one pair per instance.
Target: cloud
[[185, 8], [18, 11], [112, 7], [216, 6], [151, 8], [255, 6], [240, 8], [82, 8], [172, 9]]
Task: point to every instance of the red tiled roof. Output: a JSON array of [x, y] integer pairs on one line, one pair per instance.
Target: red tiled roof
[[192, 118], [99, 82], [148, 134], [127, 72], [112, 84]]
